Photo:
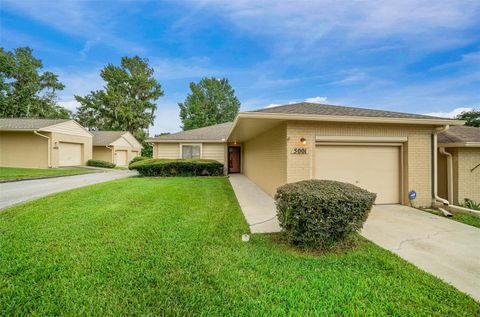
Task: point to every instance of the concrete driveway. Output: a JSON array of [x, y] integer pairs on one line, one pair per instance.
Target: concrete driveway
[[16, 192], [448, 249]]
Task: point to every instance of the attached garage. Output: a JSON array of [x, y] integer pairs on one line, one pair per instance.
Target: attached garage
[[373, 167], [43, 143], [118, 147], [121, 157], [69, 154]]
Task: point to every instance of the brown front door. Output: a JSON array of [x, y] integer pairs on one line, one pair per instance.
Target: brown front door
[[234, 159]]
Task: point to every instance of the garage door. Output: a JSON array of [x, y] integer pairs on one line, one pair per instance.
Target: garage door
[[121, 158], [375, 168], [135, 154], [70, 154]]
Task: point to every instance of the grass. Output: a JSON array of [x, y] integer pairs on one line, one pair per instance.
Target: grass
[[171, 246], [16, 173], [463, 218]]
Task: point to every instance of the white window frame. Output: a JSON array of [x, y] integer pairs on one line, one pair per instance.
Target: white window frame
[[197, 144]]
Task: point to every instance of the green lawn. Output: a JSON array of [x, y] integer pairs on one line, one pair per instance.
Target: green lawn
[[16, 173], [172, 246], [463, 218]]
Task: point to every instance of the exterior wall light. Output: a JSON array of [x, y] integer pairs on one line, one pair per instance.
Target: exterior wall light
[[303, 141]]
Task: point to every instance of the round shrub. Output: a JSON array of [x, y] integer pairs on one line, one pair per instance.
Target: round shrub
[[100, 163], [320, 213]]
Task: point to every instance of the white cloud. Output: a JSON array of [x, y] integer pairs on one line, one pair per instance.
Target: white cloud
[[317, 100], [449, 114], [301, 24], [69, 104], [272, 105]]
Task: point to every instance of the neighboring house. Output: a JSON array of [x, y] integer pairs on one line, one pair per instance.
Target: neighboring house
[[118, 147], [388, 153], [43, 143], [459, 164]]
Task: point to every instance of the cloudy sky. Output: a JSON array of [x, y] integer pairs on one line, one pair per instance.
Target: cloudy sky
[[410, 56]]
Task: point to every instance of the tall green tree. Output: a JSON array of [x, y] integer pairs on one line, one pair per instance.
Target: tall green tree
[[211, 101], [26, 92], [472, 118], [127, 101]]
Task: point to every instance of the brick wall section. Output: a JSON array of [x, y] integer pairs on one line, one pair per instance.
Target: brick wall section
[[417, 151], [264, 159], [468, 181]]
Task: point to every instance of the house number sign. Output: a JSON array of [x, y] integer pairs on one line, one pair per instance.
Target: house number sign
[[299, 150]]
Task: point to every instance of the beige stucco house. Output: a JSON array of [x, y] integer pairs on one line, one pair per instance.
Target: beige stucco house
[[118, 147], [459, 164], [43, 143], [389, 153]]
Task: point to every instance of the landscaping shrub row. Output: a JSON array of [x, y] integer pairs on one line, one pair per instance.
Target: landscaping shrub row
[[321, 213], [165, 167], [99, 163]]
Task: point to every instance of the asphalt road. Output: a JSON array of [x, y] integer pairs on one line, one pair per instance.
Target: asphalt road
[[16, 192]]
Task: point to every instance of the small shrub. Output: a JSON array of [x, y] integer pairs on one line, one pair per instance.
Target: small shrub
[[165, 168], [470, 204], [99, 163], [139, 158], [321, 213]]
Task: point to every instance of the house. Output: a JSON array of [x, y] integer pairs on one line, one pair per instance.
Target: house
[[459, 164], [388, 153], [118, 147], [43, 143]]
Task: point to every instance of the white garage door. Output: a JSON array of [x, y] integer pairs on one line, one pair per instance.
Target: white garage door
[[121, 158], [374, 168], [70, 154]]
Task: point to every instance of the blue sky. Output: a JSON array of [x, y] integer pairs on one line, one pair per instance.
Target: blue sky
[[411, 56]]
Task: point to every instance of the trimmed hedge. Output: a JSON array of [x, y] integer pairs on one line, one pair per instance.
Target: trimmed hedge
[[180, 167], [139, 158], [320, 213], [99, 163]]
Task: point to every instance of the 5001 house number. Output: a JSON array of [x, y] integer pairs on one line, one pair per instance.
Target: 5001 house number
[[299, 150]]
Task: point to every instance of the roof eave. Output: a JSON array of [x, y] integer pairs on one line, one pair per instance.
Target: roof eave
[[459, 144], [257, 115], [186, 140]]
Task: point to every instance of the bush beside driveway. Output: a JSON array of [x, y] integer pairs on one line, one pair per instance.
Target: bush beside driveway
[[172, 246]]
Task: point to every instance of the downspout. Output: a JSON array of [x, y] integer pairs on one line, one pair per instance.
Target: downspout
[[49, 158], [435, 164], [449, 173]]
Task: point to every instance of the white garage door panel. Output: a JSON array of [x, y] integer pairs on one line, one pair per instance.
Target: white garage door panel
[[121, 158], [375, 168], [70, 154]]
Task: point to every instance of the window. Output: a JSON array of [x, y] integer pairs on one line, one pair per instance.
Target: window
[[190, 151]]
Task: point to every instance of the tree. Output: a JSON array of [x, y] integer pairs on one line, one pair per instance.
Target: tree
[[472, 118], [127, 101], [24, 91], [211, 101]]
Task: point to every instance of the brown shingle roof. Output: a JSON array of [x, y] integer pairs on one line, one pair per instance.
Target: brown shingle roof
[[28, 124], [305, 108], [459, 134], [217, 132], [106, 137]]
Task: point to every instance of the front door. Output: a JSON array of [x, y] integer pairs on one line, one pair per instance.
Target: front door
[[234, 159]]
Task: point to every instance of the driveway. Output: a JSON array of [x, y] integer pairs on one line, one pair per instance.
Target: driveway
[[16, 192], [448, 249]]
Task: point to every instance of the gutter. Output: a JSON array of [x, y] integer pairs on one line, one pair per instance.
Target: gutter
[[435, 197], [449, 173], [49, 155]]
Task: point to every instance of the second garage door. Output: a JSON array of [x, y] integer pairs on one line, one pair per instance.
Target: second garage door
[[375, 168], [121, 157], [70, 154]]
